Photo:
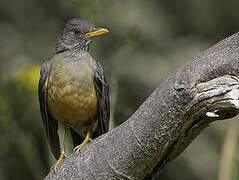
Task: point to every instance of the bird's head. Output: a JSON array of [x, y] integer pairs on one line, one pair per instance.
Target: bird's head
[[78, 34]]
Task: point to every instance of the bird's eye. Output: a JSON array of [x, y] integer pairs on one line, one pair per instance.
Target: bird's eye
[[77, 31]]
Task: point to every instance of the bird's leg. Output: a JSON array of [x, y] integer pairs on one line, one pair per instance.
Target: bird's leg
[[63, 155], [86, 140]]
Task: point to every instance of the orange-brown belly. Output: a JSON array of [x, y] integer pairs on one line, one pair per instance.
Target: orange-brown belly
[[73, 104]]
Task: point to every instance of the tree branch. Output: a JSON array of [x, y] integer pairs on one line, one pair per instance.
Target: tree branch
[[206, 89]]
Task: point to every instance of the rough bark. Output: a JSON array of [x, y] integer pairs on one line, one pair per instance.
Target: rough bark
[[206, 89]]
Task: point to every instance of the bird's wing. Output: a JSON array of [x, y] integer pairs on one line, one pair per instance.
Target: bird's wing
[[102, 93], [49, 123]]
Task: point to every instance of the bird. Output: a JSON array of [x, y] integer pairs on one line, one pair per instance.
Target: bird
[[73, 89]]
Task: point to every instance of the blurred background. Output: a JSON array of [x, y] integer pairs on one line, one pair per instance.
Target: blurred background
[[148, 41]]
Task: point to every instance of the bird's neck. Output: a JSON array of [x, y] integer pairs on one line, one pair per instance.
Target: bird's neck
[[72, 44]]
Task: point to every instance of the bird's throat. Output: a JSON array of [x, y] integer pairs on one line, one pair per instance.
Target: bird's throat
[[69, 43]]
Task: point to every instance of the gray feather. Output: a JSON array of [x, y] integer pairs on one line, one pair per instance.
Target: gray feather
[[49, 123], [102, 93]]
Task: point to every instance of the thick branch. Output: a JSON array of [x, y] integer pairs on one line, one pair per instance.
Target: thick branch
[[204, 90]]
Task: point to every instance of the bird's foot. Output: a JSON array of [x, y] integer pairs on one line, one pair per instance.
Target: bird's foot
[[62, 156], [79, 147]]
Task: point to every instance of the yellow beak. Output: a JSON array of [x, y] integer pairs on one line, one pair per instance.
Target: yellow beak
[[97, 32]]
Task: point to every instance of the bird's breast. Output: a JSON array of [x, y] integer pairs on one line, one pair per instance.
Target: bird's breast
[[71, 96]]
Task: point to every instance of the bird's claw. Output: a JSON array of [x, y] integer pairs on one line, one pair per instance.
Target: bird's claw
[[79, 147], [62, 156]]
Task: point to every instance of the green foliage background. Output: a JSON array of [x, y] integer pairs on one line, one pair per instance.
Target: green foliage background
[[148, 41]]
